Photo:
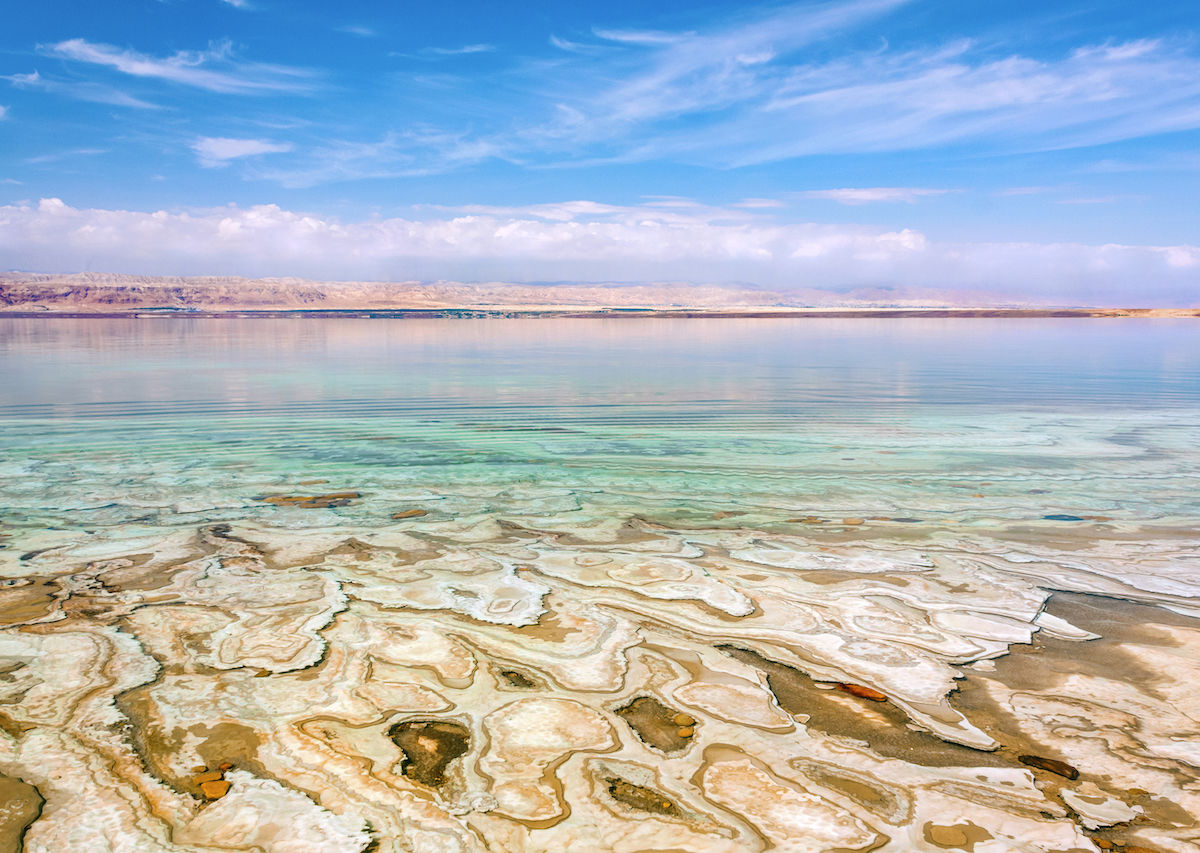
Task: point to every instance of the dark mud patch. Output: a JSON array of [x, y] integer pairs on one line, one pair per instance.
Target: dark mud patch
[[429, 747], [518, 680], [656, 724], [641, 798], [20, 806]]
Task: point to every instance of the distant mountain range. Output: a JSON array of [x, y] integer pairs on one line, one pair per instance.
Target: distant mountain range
[[103, 293]]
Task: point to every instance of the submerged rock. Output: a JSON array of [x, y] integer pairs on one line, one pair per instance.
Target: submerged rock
[[311, 501], [410, 513], [862, 692]]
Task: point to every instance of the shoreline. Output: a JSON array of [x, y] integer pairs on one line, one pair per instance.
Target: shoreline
[[497, 312]]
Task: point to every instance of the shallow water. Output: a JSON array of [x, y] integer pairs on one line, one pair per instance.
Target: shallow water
[[598, 506]]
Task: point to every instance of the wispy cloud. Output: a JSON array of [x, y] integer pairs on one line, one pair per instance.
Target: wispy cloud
[[216, 69], [357, 30], [1104, 199], [588, 242], [869, 195], [238, 4], [758, 203], [55, 156], [748, 93], [3, 112], [644, 37], [415, 152], [216, 151], [79, 90], [461, 51]]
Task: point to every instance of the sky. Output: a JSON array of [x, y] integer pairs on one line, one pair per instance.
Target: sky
[[1026, 148]]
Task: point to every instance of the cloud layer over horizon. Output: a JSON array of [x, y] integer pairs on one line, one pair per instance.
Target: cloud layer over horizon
[[673, 240]]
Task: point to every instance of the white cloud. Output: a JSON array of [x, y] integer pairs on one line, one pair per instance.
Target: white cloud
[[215, 69], [357, 30], [237, 4], [868, 195], [219, 150], [3, 112], [584, 241]]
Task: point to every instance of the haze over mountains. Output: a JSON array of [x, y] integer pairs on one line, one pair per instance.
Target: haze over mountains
[[115, 293]]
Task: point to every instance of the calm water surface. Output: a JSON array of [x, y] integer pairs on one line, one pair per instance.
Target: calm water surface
[[874, 417]]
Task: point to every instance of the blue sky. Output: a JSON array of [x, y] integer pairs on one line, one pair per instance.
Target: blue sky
[[945, 143]]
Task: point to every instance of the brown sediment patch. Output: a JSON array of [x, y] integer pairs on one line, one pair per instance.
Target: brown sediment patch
[[332, 499], [222, 745], [655, 724], [641, 798], [958, 836], [883, 726], [227, 745], [8, 725], [1042, 666], [548, 627], [893, 805], [429, 747], [135, 573], [26, 599], [20, 805], [410, 513]]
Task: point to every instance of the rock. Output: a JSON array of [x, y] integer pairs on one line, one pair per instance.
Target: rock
[[862, 692], [1050, 764], [852, 522], [225, 765], [683, 720], [685, 731], [410, 513], [206, 776], [215, 789]]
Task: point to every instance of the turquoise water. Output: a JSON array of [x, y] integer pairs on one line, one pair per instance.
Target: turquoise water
[[168, 420]]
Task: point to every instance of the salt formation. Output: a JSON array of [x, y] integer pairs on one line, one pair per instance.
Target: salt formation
[[464, 683]]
